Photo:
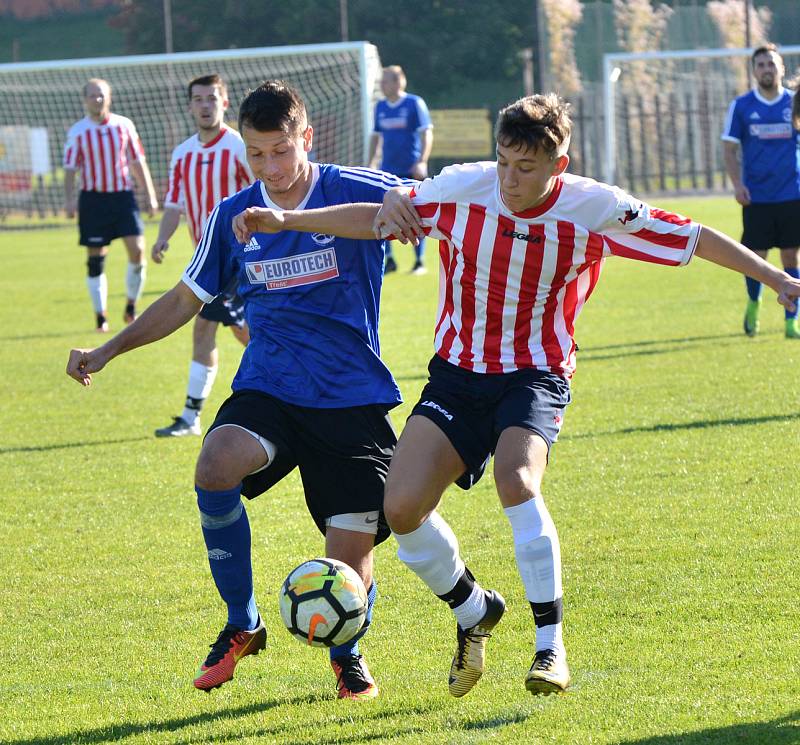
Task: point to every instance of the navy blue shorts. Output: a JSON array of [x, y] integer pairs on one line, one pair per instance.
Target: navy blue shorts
[[225, 309], [343, 454], [473, 409], [773, 225], [102, 217]]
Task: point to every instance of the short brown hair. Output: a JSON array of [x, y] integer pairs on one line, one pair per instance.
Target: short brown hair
[[764, 49], [540, 121], [274, 105], [212, 79]]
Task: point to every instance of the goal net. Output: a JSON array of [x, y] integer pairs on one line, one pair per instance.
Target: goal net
[[41, 100], [665, 112]]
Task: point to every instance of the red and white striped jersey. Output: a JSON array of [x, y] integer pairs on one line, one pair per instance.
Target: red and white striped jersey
[[102, 152], [512, 284], [202, 175]]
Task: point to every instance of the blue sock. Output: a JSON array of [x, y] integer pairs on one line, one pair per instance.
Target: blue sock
[[226, 531], [753, 288], [419, 250], [792, 272], [351, 648]]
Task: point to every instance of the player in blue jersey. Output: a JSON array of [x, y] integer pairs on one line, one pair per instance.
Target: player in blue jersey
[[311, 391], [403, 126], [767, 180]]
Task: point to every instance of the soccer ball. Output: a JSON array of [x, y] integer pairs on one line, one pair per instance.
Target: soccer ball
[[323, 602]]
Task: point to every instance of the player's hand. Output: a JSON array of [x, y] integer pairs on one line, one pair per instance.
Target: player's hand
[[158, 250], [152, 205], [419, 171], [257, 220], [742, 194], [83, 362], [788, 293], [397, 217]]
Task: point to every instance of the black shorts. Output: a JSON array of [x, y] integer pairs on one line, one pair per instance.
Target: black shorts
[[773, 225], [102, 217], [343, 454], [225, 309], [473, 409]]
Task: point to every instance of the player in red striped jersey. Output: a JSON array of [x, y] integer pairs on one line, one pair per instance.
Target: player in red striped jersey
[[522, 244], [107, 151], [206, 168]]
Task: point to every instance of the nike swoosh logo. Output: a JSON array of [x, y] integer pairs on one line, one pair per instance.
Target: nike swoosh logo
[[368, 521]]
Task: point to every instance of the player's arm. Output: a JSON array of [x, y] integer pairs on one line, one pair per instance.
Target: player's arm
[[419, 170], [167, 314], [720, 249], [166, 228], [374, 140], [344, 220], [141, 174], [69, 192], [733, 168]]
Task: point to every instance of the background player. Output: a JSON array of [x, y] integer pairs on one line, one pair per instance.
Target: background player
[[767, 180], [522, 247], [311, 390], [204, 169], [107, 151], [403, 126]]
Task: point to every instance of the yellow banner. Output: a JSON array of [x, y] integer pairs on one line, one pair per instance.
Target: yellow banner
[[462, 133]]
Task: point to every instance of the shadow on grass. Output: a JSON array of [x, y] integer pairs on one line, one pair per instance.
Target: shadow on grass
[[677, 427], [663, 346], [68, 445], [34, 337], [783, 731], [655, 342]]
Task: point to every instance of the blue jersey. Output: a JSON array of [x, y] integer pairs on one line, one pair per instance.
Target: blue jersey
[[311, 300], [400, 123], [770, 169]]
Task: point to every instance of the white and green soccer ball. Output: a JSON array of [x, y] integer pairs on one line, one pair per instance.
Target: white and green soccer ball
[[323, 602]]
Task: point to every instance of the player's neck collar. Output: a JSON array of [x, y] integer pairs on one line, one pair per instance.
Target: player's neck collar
[[393, 104], [222, 130], [303, 202], [539, 209], [769, 101]]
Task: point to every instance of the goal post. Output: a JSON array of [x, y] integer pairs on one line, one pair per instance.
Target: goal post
[[41, 100], [664, 113]]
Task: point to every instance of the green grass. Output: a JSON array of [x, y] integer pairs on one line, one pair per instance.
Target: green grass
[[673, 486]]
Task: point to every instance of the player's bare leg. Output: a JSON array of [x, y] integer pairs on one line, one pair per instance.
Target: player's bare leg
[[228, 455], [353, 678], [519, 465], [425, 463], [134, 274], [97, 284], [790, 258]]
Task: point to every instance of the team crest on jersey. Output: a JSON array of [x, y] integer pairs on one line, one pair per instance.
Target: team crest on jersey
[[630, 214], [293, 271], [787, 114], [323, 239]]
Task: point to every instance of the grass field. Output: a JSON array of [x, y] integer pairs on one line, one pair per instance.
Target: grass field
[[674, 487]]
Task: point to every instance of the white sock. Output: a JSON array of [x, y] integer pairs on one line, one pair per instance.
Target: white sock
[[134, 280], [98, 292], [472, 609], [538, 555], [431, 552], [201, 380]]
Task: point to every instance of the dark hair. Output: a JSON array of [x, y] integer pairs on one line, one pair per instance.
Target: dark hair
[[274, 105], [765, 49], [212, 79], [540, 121]]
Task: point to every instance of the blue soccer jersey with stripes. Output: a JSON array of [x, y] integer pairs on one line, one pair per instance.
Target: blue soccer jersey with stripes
[[769, 145], [311, 300]]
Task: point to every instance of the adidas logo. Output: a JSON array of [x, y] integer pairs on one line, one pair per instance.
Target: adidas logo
[[755, 115], [252, 245], [217, 554]]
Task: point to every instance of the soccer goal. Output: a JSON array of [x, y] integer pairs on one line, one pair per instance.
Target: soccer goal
[[41, 100], [664, 115]]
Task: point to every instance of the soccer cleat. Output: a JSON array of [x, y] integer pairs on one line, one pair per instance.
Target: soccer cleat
[[232, 644], [179, 428], [129, 316], [102, 323], [751, 323], [468, 663], [353, 679], [390, 265], [418, 269], [548, 674], [792, 332]]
